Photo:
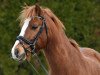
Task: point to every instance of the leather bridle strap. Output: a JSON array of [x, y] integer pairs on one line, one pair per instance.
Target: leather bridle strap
[[33, 42]]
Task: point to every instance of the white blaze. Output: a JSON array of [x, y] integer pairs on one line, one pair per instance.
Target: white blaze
[[26, 23]]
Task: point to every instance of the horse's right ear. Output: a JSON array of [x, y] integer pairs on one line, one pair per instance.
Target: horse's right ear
[[38, 9]]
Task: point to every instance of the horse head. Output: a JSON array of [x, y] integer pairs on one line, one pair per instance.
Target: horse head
[[33, 35]]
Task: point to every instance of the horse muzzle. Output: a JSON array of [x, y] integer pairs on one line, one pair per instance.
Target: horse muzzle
[[18, 54]]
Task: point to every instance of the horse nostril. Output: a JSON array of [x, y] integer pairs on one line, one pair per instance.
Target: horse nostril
[[16, 52]]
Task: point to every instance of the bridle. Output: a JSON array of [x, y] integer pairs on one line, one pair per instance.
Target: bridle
[[32, 43]]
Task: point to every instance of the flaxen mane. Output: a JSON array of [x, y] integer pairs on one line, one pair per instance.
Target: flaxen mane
[[74, 43], [28, 11]]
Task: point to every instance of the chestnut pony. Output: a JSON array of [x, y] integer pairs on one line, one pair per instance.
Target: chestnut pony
[[41, 29]]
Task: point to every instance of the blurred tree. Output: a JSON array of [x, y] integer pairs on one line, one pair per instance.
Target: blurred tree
[[1, 70]]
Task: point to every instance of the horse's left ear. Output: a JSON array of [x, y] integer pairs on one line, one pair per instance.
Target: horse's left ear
[[38, 10]]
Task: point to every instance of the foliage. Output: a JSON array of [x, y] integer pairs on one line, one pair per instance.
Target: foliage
[[80, 17]]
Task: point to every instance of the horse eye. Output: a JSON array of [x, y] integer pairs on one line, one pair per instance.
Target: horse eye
[[34, 27]]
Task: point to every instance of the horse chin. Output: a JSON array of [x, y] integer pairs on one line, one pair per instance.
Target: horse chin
[[22, 57]]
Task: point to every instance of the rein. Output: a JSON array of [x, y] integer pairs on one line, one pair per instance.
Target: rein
[[33, 42]]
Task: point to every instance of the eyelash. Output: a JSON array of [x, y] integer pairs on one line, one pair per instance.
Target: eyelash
[[34, 27]]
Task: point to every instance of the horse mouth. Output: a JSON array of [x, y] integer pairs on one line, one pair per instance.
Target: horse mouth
[[21, 57]]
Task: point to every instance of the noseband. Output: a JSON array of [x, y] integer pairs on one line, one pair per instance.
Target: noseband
[[33, 42]]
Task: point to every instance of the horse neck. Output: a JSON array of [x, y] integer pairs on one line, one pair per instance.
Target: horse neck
[[61, 55]]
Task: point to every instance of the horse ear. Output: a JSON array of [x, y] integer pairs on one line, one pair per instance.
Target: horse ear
[[38, 9]]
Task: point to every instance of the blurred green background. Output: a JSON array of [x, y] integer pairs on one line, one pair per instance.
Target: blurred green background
[[80, 17]]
